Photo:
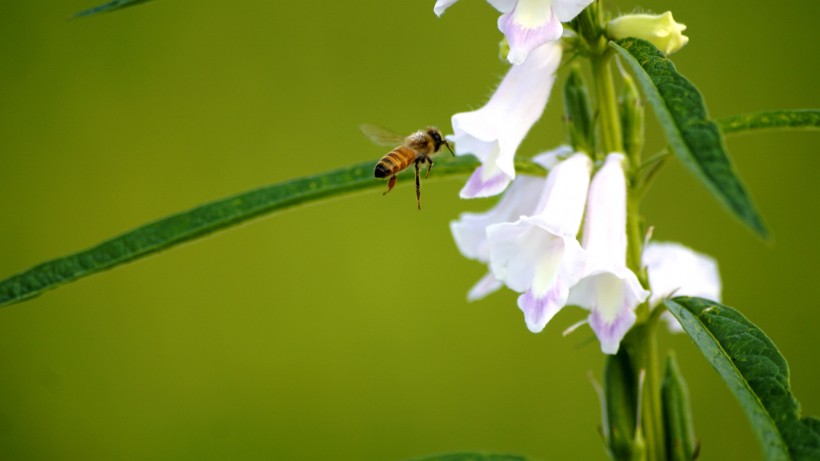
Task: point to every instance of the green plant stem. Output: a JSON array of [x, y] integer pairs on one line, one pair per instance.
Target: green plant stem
[[611, 137]]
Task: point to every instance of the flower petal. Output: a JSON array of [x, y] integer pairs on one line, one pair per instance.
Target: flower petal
[[470, 230], [539, 310], [442, 5], [494, 132], [504, 6], [566, 10], [478, 186], [608, 288], [611, 333], [674, 269], [527, 27], [539, 255], [484, 287]]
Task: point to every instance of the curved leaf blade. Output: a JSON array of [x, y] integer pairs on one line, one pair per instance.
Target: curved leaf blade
[[474, 457], [108, 7], [806, 119], [205, 219], [755, 372], [693, 137]]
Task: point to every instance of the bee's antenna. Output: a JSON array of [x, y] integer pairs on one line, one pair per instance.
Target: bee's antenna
[[447, 143]]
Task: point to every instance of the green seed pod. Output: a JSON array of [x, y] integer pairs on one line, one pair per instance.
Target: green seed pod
[[681, 444], [620, 407], [577, 116], [632, 118]]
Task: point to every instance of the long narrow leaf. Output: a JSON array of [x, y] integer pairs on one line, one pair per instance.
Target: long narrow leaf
[[205, 219], [108, 7], [755, 372], [805, 119], [693, 137], [473, 457]]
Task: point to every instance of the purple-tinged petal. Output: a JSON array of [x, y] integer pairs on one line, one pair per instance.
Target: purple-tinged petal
[[610, 333], [540, 309], [479, 186], [526, 32]]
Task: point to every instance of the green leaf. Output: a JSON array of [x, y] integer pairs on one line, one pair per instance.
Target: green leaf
[[692, 136], [113, 5], [205, 219], [807, 119], [473, 457], [755, 373]]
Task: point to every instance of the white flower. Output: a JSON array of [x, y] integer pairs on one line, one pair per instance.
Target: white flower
[[675, 270], [528, 24], [608, 288], [493, 132], [538, 254], [470, 230], [661, 30]]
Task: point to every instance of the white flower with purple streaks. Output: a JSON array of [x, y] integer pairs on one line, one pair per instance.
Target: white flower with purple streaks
[[675, 270], [608, 288], [470, 230], [528, 24], [493, 132], [538, 255]]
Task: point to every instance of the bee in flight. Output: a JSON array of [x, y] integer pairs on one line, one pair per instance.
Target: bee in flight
[[414, 149]]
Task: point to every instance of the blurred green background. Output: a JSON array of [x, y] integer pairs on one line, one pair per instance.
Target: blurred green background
[[297, 336]]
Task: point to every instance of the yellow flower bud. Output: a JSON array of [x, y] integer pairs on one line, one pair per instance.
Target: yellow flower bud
[[661, 30]]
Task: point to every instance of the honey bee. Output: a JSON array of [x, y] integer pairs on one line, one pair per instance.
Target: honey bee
[[416, 149]]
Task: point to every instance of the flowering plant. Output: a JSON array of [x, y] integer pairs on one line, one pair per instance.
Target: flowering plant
[[563, 231]]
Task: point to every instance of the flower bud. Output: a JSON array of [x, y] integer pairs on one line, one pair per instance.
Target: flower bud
[[681, 443], [632, 118], [661, 30], [577, 115], [620, 406]]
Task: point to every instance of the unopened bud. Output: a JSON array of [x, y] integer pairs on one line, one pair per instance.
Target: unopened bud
[[681, 443], [577, 115], [661, 30], [632, 118]]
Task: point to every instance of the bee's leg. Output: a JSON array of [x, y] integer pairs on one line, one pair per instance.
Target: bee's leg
[[429, 165], [418, 187], [390, 183]]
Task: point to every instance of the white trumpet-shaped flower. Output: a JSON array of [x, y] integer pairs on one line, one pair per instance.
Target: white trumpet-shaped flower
[[538, 254], [675, 270], [608, 288], [493, 132], [528, 24], [470, 230]]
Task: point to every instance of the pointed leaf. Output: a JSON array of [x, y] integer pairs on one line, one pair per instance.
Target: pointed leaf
[[109, 7], [806, 119], [211, 217], [474, 457], [755, 373], [693, 137]]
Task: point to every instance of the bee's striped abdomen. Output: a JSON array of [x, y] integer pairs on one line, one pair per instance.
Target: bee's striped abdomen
[[395, 161]]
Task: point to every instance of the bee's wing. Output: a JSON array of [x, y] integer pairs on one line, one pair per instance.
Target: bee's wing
[[381, 135]]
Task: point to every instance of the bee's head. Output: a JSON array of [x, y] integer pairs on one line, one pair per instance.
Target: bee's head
[[438, 139]]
